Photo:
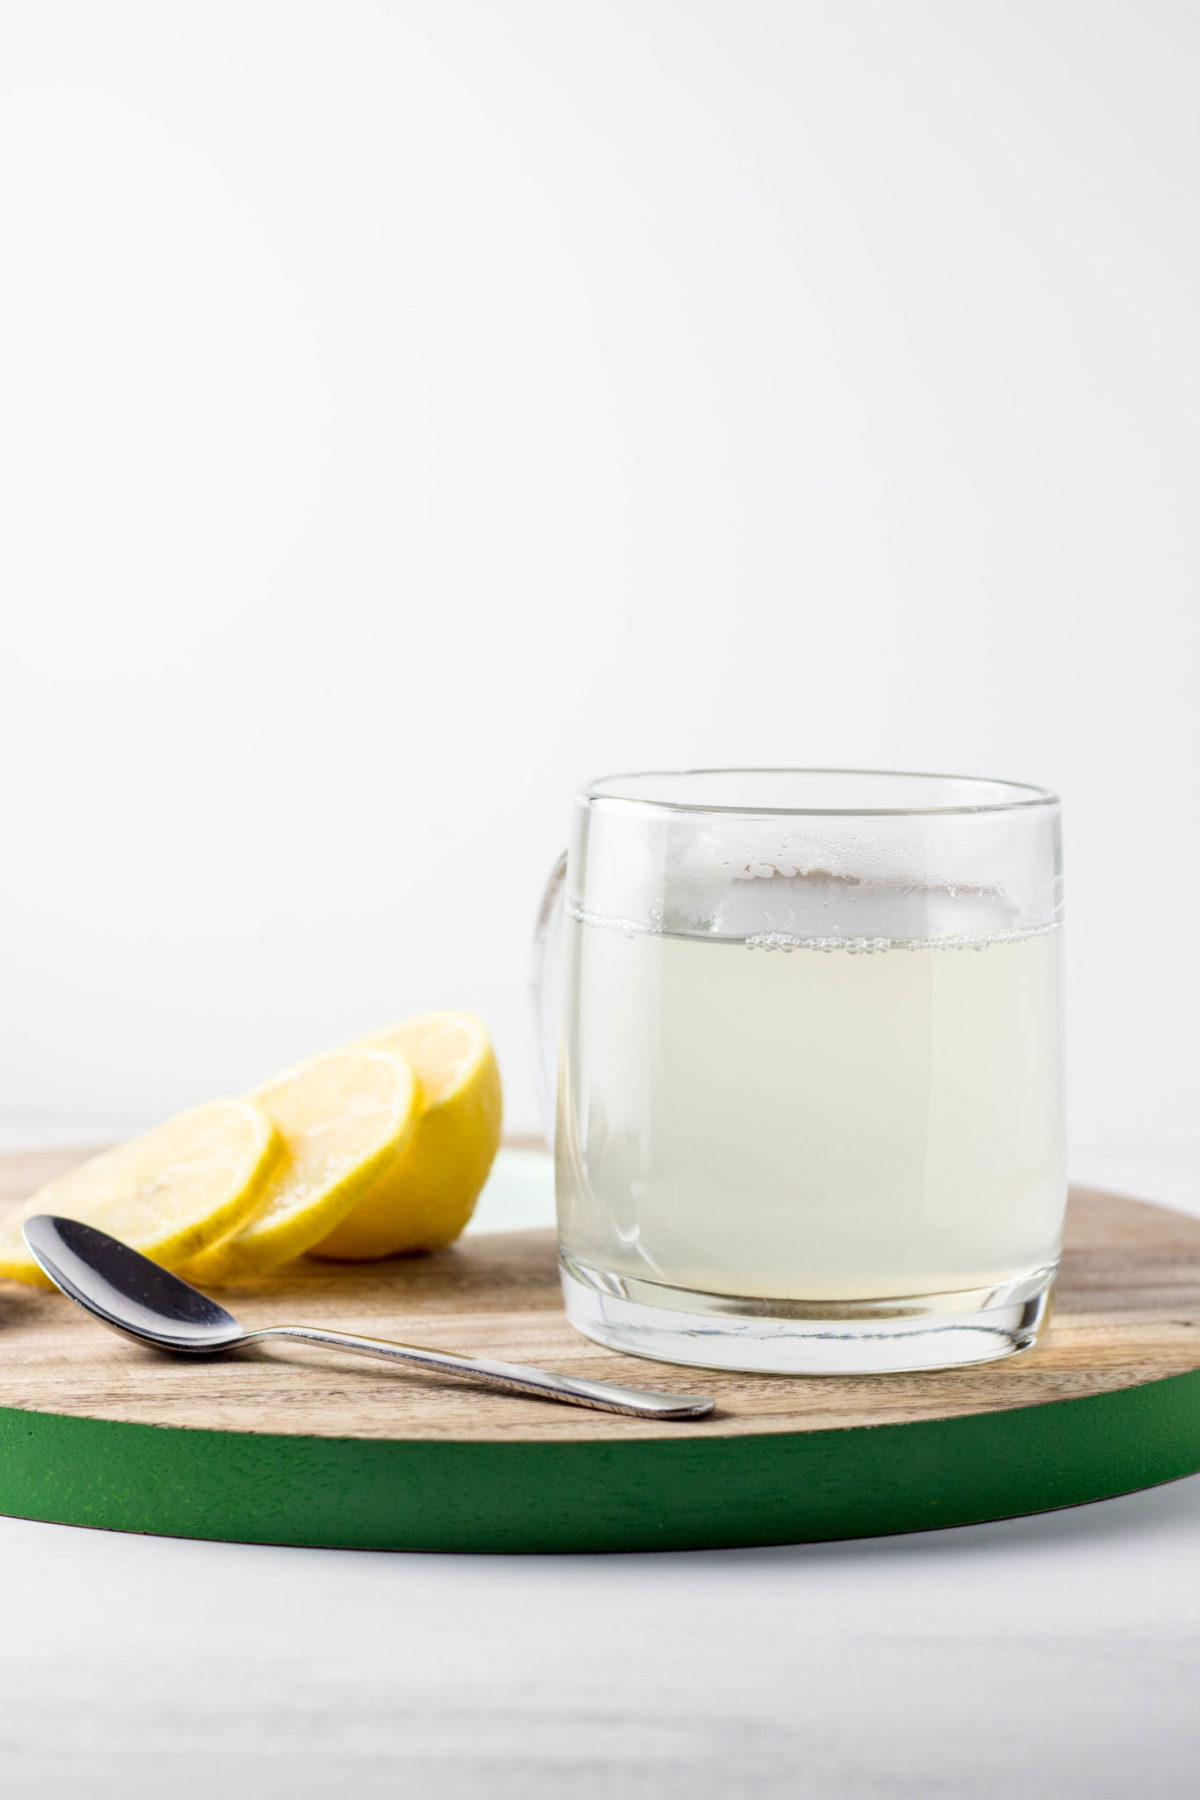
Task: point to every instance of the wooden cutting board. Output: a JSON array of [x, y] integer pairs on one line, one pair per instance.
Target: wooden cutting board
[[290, 1445]]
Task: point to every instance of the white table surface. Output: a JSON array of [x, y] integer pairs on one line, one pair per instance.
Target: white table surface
[[1034, 1659]]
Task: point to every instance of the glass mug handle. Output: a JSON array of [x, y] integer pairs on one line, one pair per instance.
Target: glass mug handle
[[545, 992]]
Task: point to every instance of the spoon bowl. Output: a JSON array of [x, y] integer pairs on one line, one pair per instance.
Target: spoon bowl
[[128, 1292]]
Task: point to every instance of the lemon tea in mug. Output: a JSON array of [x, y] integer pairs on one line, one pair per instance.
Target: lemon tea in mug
[[809, 1091]]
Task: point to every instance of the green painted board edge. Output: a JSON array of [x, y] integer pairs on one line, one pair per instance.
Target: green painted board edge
[[657, 1494]]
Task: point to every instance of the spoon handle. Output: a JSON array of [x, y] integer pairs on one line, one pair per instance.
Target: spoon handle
[[513, 1378]]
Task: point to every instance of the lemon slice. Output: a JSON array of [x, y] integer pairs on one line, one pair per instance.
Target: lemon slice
[[426, 1195], [343, 1117], [170, 1193]]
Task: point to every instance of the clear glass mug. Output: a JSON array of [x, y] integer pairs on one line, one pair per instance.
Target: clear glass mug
[[809, 1108]]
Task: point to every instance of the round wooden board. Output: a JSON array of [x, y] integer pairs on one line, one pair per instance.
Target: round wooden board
[[299, 1447]]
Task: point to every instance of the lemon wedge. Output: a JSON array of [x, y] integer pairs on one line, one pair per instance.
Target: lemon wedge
[[170, 1193], [425, 1196], [343, 1117]]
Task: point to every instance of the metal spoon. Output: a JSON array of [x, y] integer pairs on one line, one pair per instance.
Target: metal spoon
[[130, 1294]]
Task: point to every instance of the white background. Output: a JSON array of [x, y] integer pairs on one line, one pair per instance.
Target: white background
[[410, 409], [1053, 1658]]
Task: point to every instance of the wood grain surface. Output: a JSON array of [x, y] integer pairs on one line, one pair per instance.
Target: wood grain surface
[[1127, 1312]]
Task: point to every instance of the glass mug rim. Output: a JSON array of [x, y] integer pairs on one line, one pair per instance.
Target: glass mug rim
[[1004, 795]]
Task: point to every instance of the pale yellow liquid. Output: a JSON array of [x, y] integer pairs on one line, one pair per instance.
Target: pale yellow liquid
[[813, 1124]]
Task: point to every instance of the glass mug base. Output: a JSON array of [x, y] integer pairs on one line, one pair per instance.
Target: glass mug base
[[778, 1337]]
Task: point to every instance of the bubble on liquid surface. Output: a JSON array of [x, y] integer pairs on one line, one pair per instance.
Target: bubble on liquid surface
[[791, 881]]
